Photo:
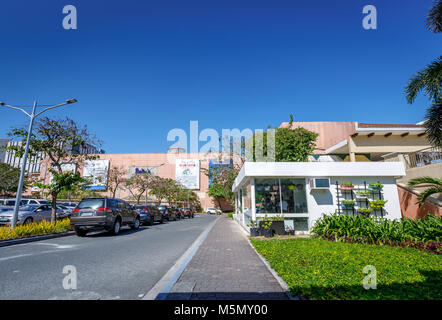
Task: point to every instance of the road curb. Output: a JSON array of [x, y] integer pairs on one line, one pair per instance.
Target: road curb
[[161, 289], [5, 243]]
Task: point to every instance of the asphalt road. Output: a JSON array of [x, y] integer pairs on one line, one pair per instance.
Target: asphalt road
[[126, 266]]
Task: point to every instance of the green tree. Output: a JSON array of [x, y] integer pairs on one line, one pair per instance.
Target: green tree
[[137, 185], [57, 139], [115, 178], [290, 145], [9, 178], [218, 192], [434, 186], [429, 81], [434, 17]]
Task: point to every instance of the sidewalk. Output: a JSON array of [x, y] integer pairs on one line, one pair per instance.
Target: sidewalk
[[226, 267]]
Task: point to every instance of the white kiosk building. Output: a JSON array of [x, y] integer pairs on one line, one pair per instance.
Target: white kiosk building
[[302, 192]]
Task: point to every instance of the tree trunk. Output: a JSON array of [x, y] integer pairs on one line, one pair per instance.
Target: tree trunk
[[54, 209]]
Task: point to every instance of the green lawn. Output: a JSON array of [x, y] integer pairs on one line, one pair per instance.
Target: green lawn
[[321, 269]]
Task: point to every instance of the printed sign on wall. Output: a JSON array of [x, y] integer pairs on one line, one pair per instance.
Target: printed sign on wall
[[97, 171], [142, 170], [187, 172]]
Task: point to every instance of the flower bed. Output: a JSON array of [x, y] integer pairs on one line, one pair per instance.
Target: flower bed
[[34, 229]]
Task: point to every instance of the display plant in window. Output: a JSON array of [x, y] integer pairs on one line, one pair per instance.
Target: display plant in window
[[375, 186], [347, 185], [378, 203]]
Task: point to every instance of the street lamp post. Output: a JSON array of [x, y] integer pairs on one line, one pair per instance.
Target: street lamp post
[[32, 117]]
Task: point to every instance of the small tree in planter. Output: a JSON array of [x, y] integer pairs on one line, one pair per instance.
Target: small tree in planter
[[254, 230], [348, 204], [375, 186], [347, 185], [378, 203], [363, 193], [365, 211], [267, 226]]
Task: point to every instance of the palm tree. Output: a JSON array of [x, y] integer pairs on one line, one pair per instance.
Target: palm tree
[[434, 18], [435, 187], [429, 80]]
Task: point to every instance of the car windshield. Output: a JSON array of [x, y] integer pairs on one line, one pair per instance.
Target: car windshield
[[161, 207], [91, 204]]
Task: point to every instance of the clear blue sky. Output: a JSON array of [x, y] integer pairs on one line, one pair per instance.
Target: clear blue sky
[[141, 68]]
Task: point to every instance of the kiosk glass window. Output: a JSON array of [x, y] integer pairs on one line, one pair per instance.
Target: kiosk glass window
[[293, 195]]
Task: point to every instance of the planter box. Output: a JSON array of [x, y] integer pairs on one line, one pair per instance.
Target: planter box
[[348, 206], [374, 189], [254, 232], [347, 188], [277, 227]]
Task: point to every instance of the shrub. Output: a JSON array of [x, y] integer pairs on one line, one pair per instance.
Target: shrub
[[34, 229], [379, 230]]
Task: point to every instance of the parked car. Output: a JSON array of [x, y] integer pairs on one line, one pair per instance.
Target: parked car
[[103, 213], [11, 202], [27, 214], [150, 214], [187, 212], [65, 212], [219, 211], [211, 211], [167, 212], [177, 212]]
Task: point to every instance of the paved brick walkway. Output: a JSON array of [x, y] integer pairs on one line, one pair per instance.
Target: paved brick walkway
[[226, 267]]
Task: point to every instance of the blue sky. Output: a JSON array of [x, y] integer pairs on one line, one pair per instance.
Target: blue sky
[[141, 68]]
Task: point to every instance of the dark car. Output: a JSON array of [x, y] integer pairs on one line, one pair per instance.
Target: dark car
[[150, 214], [103, 213], [177, 212], [186, 212], [167, 212]]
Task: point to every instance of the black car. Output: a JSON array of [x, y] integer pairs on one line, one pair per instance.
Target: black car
[[150, 214], [103, 213], [167, 212]]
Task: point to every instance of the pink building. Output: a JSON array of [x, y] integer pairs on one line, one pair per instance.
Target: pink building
[[161, 164]]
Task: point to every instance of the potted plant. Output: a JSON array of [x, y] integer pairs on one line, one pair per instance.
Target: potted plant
[[267, 227], [347, 185], [348, 204], [365, 211], [378, 203], [363, 193], [375, 186], [254, 230]]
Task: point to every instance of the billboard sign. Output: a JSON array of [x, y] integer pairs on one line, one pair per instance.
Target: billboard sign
[[187, 172], [218, 167], [65, 167], [142, 170], [97, 171]]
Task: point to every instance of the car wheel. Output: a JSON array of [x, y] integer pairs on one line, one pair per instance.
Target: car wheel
[[136, 224], [80, 232], [27, 220], [117, 227], [162, 220]]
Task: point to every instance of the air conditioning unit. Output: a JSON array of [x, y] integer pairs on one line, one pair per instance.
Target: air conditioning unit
[[319, 183]]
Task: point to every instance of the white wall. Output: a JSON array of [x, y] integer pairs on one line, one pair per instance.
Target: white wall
[[325, 201]]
